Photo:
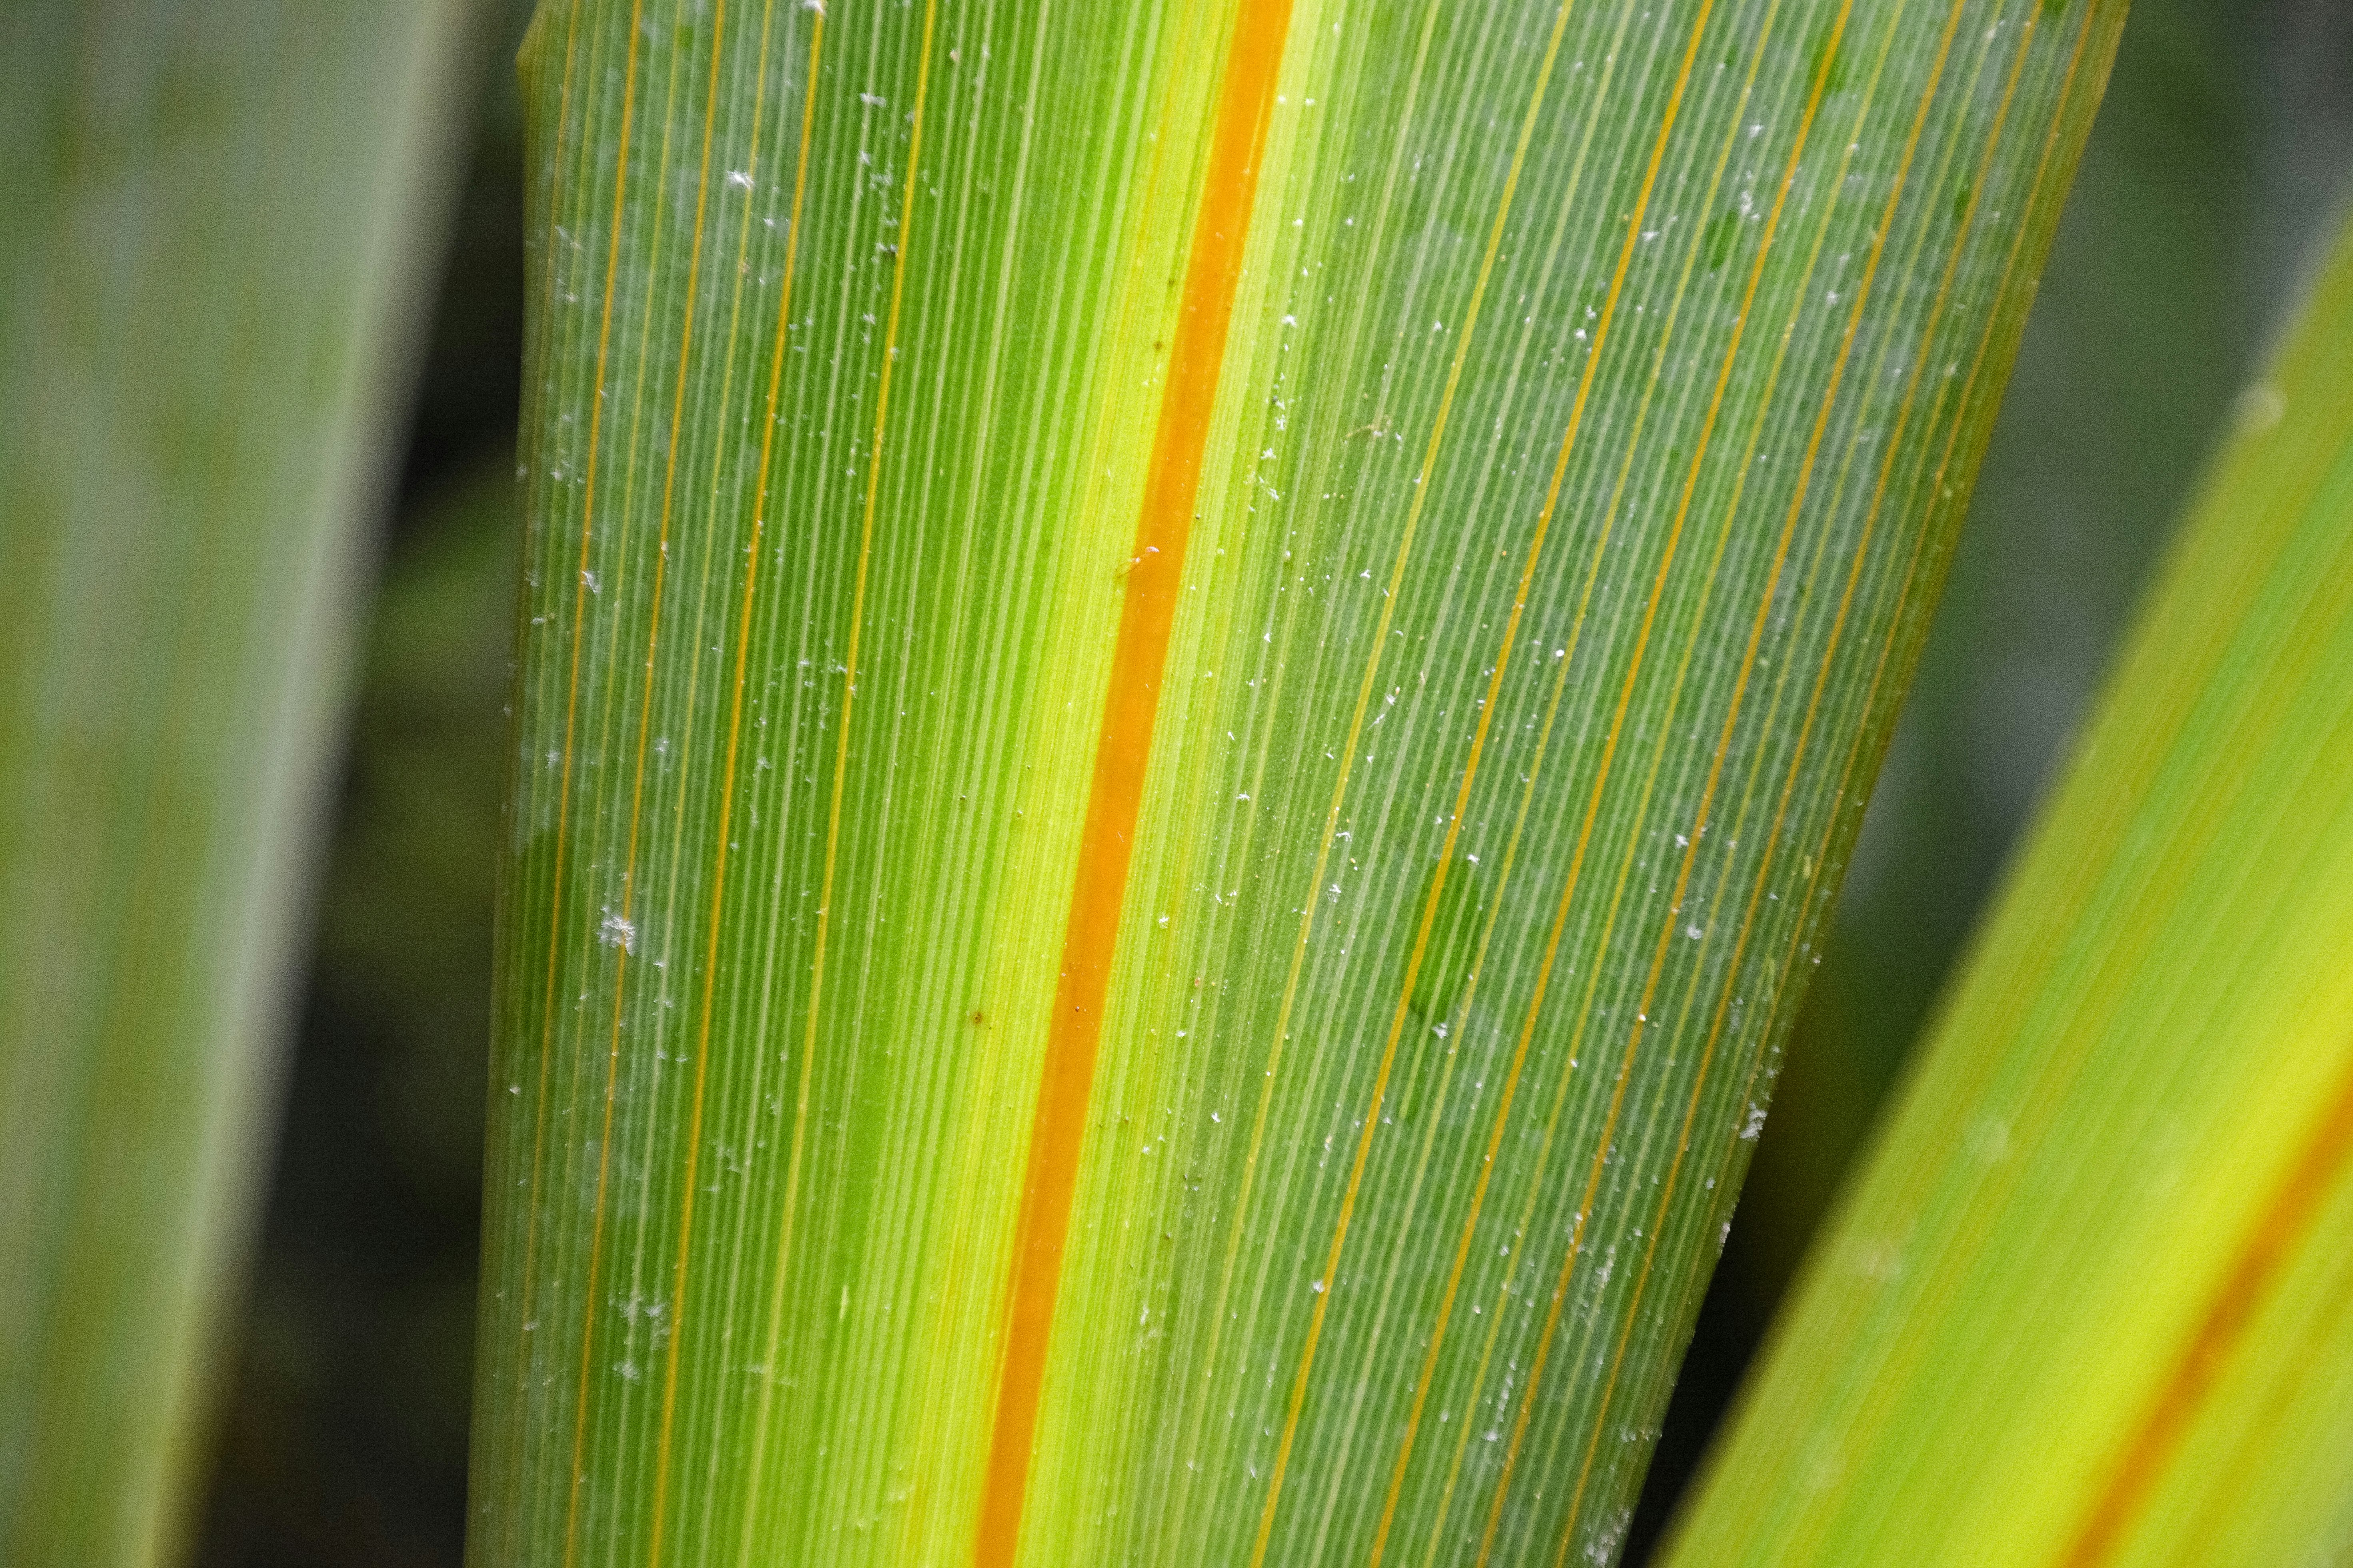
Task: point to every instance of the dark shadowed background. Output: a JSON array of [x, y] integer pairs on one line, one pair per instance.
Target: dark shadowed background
[[2219, 158]]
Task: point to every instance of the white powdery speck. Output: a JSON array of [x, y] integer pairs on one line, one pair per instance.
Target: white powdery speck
[[618, 930]]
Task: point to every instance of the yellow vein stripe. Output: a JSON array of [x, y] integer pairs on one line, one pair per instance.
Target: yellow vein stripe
[[629, 876], [547, 297], [1356, 725], [545, 320], [1217, 1315], [1868, 1422], [1937, 487], [1527, 1033], [1641, 645], [2278, 1240], [1222, 221], [580, 582], [2050, 145], [800, 1112], [1575, 870], [984, 419], [591, 140], [902, 259], [645, 319], [2071, 1025], [1486, 709], [1364, 696], [1676, 687], [638, 380], [1731, 720], [1904, 410], [760, 494], [2254, 1450], [728, 769], [850, 676], [1566, 660], [1721, 752]]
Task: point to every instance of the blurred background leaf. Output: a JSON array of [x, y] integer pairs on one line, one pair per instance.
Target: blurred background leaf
[[220, 224], [2214, 159], [346, 1441]]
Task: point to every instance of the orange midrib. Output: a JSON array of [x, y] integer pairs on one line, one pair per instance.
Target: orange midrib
[[1122, 750], [2266, 1254]]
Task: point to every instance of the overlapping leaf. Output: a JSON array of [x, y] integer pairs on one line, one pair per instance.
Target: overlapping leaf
[[2090, 1303]]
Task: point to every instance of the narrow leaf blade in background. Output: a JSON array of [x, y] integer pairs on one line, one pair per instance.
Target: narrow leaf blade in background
[[1194, 675], [219, 218]]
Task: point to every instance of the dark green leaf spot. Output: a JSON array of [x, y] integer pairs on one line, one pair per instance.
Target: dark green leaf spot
[[1720, 236], [1452, 947]]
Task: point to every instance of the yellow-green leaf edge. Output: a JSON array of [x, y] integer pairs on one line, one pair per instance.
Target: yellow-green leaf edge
[[2091, 1301]]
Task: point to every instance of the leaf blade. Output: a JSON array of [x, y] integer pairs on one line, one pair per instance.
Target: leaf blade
[[1415, 386]]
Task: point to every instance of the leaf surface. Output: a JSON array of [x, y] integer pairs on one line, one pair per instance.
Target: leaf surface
[[1194, 675]]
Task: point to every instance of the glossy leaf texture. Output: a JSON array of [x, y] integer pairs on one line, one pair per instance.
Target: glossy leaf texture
[[219, 219], [2091, 1301], [1194, 674]]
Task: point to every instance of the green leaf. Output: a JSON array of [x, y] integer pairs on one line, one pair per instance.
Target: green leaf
[[216, 217], [1194, 675], [2089, 1302]]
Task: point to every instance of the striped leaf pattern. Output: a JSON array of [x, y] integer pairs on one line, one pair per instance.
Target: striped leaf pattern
[[1193, 674], [2090, 1304]]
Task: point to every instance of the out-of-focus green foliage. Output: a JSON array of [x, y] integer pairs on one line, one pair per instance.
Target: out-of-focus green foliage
[[217, 218], [2090, 1302], [344, 1441], [350, 1414]]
